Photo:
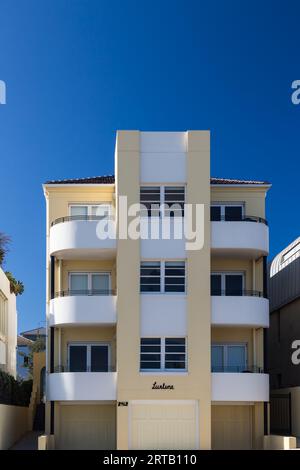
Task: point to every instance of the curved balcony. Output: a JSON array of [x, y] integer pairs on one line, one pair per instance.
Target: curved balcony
[[82, 386], [83, 237], [250, 309], [248, 237], [240, 386], [83, 308]]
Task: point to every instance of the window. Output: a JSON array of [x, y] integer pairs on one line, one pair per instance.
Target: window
[[3, 314], [293, 251], [89, 283], [91, 210], [174, 197], [174, 276], [229, 357], [167, 354], [227, 212], [162, 276], [150, 353], [167, 201], [227, 283], [150, 276], [150, 198], [88, 357]]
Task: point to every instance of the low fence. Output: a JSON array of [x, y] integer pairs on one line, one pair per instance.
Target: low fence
[[13, 424]]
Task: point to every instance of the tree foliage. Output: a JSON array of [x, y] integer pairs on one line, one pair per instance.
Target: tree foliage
[[16, 287]]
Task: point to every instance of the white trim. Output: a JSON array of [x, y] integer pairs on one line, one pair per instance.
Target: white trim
[[89, 206]]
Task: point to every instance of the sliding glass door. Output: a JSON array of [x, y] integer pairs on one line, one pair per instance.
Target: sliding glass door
[[94, 357], [89, 283]]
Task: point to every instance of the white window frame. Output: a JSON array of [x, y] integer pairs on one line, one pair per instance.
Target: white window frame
[[223, 205], [223, 275], [225, 353], [89, 345], [162, 276], [89, 274], [89, 207], [163, 355]]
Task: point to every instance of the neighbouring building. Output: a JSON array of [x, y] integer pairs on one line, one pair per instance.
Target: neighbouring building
[[284, 293], [150, 344], [8, 326], [24, 341]]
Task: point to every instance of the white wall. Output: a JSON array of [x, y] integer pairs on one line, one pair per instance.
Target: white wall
[[163, 315], [240, 311], [239, 386], [163, 157]]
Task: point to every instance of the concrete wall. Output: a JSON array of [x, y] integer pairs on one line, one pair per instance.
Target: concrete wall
[[13, 424]]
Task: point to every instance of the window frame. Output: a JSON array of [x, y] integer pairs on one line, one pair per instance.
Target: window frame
[[162, 368], [225, 346], [162, 277], [88, 345], [162, 187], [89, 207], [223, 275], [89, 274], [223, 206]]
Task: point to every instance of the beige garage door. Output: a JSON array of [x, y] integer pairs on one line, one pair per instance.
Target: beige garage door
[[231, 427], [163, 425], [87, 427]]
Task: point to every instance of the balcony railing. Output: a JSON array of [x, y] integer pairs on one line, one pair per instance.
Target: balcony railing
[[244, 218], [60, 369], [238, 293], [238, 369], [72, 292], [87, 218]]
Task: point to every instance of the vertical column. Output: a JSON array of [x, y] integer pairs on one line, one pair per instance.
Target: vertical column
[[198, 292], [265, 340], [127, 169], [52, 277]]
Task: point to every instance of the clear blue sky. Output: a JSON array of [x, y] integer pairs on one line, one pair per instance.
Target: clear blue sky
[[76, 71]]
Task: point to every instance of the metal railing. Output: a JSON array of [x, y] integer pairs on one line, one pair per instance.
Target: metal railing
[[238, 293], [61, 369], [238, 369], [243, 218], [87, 292], [88, 218]]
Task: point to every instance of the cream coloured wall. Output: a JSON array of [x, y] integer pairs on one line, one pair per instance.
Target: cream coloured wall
[[254, 198], [84, 334], [13, 424], [85, 266]]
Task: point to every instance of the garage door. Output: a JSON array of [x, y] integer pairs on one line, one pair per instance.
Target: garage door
[[231, 427], [163, 425], [87, 427]]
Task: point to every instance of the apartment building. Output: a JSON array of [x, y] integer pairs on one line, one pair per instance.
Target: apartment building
[[284, 291], [8, 326], [153, 344]]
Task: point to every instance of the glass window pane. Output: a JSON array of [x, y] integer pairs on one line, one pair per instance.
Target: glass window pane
[[234, 284], [101, 210], [216, 284], [217, 358], [233, 212], [100, 283], [99, 358], [79, 283], [215, 213], [79, 210], [78, 358], [236, 358]]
